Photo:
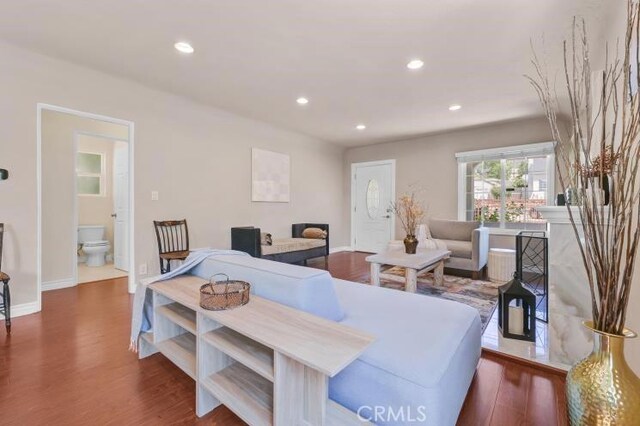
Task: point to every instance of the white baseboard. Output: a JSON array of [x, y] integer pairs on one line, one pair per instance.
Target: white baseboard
[[57, 284], [339, 249], [23, 309]]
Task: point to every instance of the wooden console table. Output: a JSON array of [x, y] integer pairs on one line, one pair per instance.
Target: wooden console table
[[268, 363]]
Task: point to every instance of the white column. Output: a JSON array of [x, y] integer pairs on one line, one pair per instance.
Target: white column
[[569, 298]]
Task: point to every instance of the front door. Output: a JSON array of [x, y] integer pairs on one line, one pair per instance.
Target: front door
[[121, 206], [373, 192]]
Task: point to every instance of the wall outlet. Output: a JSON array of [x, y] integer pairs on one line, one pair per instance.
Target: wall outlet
[[155, 195], [142, 269]]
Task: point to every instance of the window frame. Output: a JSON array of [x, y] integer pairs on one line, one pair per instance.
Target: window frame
[[101, 175], [505, 153]]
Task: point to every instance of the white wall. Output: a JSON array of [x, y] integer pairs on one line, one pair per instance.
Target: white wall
[[197, 157]]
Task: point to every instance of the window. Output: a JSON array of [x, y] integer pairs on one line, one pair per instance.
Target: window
[[90, 174], [503, 188]]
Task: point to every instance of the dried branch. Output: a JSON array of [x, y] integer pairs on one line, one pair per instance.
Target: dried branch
[[410, 212]]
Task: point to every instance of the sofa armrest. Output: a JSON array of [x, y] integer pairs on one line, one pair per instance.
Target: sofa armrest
[[480, 247], [246, 239], [298, 228]]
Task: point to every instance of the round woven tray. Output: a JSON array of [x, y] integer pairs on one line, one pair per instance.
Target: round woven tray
[[221, 295]]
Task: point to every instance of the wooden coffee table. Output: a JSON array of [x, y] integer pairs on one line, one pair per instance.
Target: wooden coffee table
[[414, 264]]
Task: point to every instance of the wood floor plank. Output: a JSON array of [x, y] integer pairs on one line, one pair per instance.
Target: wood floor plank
[[481, 399], [542, 402], [561, 401], [69, 365], [511, 400]]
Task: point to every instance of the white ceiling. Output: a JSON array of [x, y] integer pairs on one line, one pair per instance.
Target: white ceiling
[[255, 57]]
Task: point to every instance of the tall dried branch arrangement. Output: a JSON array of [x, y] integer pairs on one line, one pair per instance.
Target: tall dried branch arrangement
[[604, 128], [410, 212]]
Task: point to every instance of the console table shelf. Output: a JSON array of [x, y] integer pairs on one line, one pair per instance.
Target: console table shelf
[[244, 392], [268, 363], [181, 315], [181, 350], [255, 356]]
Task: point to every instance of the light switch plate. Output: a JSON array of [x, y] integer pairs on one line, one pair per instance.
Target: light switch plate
[[154, 195], [142, 269]]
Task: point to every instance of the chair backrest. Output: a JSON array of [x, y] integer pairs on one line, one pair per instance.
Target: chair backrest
[[1, 238], [172, 235], [452, 229]]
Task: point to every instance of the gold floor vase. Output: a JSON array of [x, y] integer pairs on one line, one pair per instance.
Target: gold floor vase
[[602, 389]]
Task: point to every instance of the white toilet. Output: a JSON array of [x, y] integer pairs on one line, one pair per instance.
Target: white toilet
[[91, 239]]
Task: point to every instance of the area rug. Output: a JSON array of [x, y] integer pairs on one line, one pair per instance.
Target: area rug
[[481, 295]]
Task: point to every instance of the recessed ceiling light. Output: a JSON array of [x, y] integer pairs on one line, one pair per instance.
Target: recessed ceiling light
[[415, 64], [184, 47], [302, 101], [361, 127], [455, 107]]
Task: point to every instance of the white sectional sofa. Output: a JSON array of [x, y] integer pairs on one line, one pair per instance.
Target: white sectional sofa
[[426, 349]]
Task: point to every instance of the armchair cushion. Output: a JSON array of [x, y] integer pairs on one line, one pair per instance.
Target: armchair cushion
[[463, 249]]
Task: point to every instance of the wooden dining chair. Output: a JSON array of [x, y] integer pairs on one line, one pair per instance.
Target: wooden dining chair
[[173, 242], [5, 306]]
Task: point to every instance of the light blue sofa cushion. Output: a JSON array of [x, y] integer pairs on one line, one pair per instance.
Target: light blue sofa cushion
[[307, 289], [424, 356]]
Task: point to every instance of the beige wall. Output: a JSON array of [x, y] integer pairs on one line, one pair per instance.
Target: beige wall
[[429, 163], [98, 210], [58, 181], [197, 157]]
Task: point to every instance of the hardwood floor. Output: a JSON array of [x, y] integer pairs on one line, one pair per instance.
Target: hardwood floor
[[69, 365]]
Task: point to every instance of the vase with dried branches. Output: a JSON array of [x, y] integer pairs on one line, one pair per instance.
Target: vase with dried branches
[[410, 212], [603, 140]]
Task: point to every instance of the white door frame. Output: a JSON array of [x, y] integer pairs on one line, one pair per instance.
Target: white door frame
[[113, 139], [354, 167], [39, 108]]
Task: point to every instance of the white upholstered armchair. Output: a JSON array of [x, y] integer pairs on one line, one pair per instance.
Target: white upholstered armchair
[[467, 241]]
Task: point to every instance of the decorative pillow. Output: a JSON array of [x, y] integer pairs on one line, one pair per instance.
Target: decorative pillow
[[265, 239], [315, 233], [423, 231]]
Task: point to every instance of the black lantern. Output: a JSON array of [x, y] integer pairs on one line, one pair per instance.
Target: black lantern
[[517, 311]]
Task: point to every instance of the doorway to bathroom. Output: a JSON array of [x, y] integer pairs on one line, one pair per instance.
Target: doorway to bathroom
[[102, 205], [85, 188]]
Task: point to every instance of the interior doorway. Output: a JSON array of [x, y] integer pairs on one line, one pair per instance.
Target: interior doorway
[[102, 205], [85, 198], [372, 192]]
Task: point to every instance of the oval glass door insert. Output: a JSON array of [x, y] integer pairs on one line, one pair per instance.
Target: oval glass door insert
[[373, 198]]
